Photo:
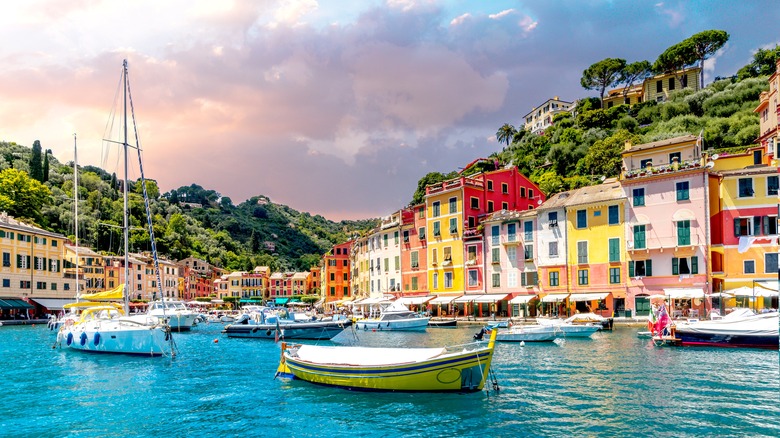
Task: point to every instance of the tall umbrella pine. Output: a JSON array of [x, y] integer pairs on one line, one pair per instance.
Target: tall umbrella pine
[[602, 75]]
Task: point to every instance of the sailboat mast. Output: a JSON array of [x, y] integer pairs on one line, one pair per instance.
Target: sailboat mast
[[76, 209], [126, 225]]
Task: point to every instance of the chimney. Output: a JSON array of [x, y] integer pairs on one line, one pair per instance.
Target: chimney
[[556, 98], [627, 145]]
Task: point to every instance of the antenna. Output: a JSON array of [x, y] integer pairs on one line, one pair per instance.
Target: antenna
[[539, 202]]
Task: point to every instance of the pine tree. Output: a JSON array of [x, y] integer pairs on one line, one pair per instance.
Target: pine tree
[[46, 165], [36, 171]]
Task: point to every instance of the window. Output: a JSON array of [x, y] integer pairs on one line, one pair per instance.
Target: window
[[332, 291], [582, 252], [474, 203], [770, 263], [471, 250], [511, 255], [495, 256], [332, 276], [387, 264], [671, 84], [6, 282], [530, 193], [453, 225], [659, 87], [406, 236], [553, 278], [552, 218], [54, 286], [453, 205], [436, 209], [682, 191], [614, 250], [639, 237], [685, 81], [644, 164], [415, 257], [54, 244], [397, 264], [553, 246], [528, 231], [640, 268], [770, 225], [749, 267], [511, 232], [414, 283], [494, 234], [490, 185], [614, 215], [511, 278], [448, 280], [6, 259], [496, 279], [614, 275], [529, 279], [639, 197], [436, 229], [435, 280], [22, 261], [751, 226], [421, 232], [582, 277], [384, 239], [490, 207], [473, 279], [528, 252], [24, 284], [745, 187], [675, 156], [771, 186], [682, 265], [683, 233], [395, 237], [582, 219], [421, 213], [505, 206], [447, 254], [522, 192]]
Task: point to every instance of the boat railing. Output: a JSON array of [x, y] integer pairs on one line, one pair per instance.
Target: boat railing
[[471, 346]]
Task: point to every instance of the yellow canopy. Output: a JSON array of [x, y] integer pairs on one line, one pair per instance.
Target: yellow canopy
[[113, 294]]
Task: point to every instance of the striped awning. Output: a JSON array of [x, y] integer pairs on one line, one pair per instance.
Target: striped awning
[[14, 303], [489, 298], [588, 297]]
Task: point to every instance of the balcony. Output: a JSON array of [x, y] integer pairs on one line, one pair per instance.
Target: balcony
[[472, 233], [661, 170], [454, 184], [510, 240], [662, 243]]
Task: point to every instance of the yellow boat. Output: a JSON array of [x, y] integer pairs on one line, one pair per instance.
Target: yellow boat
[[462, 368]]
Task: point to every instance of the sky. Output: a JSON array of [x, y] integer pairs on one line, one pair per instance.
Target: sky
[[332, 107]]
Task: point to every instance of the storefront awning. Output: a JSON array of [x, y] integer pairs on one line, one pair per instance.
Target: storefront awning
[[465, 299], [588, 297], [14, 303], [246, 300], [443, 299], [489, 298], [677, 293], [373, 301], [772, 285], [53, 303], [551, 298], [414, 300], [522, 299], [281, 300]]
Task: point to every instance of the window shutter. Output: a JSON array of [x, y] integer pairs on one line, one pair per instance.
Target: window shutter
[[648, 268], [522, 279], [631, 268], [737, 231], [18, 260], [694, 265], [675, 266]]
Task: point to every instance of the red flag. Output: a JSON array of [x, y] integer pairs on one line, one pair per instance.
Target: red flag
[[276, 333]]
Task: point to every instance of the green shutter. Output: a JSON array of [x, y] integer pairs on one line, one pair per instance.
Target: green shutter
[[18, 260], [694, 265], [675, 266], [631, 268], [737, 231], [648, 268]]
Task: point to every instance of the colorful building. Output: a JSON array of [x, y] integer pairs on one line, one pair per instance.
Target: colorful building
[[768, 110], [414, 255], [541, 117], [337, 270]]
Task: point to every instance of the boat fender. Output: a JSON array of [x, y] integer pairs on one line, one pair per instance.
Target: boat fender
[[96, 339], [268, 332], [83, 339], [69, 339], [254, 330]]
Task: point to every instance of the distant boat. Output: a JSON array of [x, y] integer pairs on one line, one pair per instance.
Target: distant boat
[[178, 316], [460, 368], [442, 323], [395, 317], [579, 319], [567, 329], [266, 325], [527, 333]]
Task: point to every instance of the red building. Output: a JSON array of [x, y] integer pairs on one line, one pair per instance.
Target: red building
[[336, 279]]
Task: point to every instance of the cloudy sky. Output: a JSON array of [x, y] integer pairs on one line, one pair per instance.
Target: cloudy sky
[[333, 107]]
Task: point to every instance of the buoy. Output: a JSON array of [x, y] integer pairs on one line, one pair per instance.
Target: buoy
[[33, 325], [522, 343], [216, 341]]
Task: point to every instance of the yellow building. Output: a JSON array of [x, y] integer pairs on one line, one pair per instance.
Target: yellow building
[[31, 271], [444, 236], [659, 87], [596, 252]]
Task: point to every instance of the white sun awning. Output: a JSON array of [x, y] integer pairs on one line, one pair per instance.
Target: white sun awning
[[551, 298], [588, 297], [768, 284], [522, 299], [489, 298], [414, 300], [677, 293], [53, 303], [465, 299], [443, 299]]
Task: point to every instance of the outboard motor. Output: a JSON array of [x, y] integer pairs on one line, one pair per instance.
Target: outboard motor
[[480, 334]]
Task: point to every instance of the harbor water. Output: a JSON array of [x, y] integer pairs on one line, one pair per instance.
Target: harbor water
[[614, 384]]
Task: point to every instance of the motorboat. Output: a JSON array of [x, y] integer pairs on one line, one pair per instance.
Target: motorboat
[[527, 333], [269, 324], [442, 323], [395, 317], [567, 329], [737, 329], [459, 368], [580, 319], [179, 317]]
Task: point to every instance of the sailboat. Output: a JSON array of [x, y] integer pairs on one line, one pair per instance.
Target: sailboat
[[104, 324]]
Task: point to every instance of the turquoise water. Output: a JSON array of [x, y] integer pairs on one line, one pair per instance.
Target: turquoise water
[[612, 385]]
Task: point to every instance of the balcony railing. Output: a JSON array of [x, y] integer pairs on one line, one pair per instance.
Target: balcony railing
[[664, 243], [663, 169], [454, 184]]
